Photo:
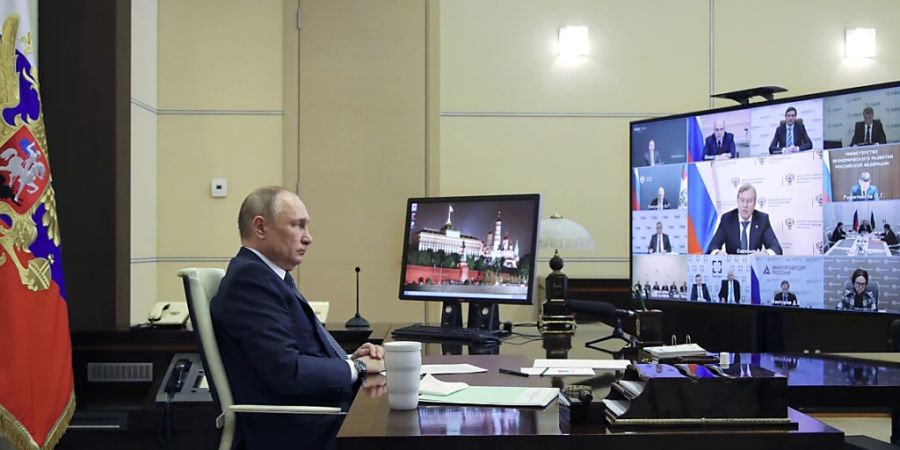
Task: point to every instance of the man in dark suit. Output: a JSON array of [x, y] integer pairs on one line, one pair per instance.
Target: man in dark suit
[[659, 242], [790, 136], [869, 131], [888, 236], [730, 292], [273, 348], [720, 142], [651, 156], [659, 202], [784, 297], [699, 290], [745, 230]]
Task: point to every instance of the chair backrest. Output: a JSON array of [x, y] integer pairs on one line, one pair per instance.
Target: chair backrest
[[797, 120], [200, 286]]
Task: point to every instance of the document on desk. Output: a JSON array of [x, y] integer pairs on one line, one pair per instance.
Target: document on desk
[[496, 396], [432, 386], [596, 364], [558, 371], [447, 369]]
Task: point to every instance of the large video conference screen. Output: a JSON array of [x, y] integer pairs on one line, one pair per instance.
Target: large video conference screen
[[787, 204]]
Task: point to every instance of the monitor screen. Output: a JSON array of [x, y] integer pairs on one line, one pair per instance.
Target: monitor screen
[[476, 249], [793, 203]]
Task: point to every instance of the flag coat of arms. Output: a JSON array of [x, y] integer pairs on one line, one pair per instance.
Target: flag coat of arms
[[36, 387]]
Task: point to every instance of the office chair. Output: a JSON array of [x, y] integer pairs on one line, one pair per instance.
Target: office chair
[[200, 285]]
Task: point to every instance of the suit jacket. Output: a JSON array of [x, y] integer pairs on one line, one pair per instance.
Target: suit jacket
[[729, 233], [693, 289], [723, 291], [864, 229], [890, 238], [655, 158], [275, 353], [859, 133], [791, 298], [711, 148], [667, 247], [837, 235], [654, 204], [856, 193], [801, 139]]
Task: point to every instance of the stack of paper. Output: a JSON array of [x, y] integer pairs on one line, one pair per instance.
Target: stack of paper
[[432, 386], [674, 351]]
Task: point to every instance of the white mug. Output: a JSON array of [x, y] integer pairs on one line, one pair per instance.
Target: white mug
[[402, 367]]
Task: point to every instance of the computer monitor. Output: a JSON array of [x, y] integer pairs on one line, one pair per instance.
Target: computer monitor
[[479, 249]]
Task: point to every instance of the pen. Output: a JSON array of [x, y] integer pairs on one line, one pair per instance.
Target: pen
[[512, 372], [544, 371]]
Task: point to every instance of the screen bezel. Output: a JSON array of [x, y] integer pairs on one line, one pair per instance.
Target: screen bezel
[[686, 115], [533, 248]]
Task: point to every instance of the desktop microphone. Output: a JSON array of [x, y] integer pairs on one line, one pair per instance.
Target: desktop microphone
[[357, 321], [600, 309]]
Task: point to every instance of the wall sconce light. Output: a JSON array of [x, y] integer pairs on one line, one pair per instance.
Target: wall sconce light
[[573, 41], [859, 43]]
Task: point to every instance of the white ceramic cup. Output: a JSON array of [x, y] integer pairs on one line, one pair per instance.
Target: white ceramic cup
[[402, 367]]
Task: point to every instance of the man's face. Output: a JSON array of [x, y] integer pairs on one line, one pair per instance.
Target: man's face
[[859, 284], [730, 276], [746, 203], [659, 228], [698, 279], [660, 192], [868, 118], [864, 185], [719, 130], [790, 116], [652, 145], [785, 286], [287, 238]]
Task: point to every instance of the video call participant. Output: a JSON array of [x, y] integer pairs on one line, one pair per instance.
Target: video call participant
[[869, 131], [785, 297], [790, 136], [864, 227], [659, 242], [273, 348], [651, 156], [698, 289], [838, 233], [860, 297], [888, 236], [744, 230], [864, 189], [719, 143], [730, 291], [659, 202]]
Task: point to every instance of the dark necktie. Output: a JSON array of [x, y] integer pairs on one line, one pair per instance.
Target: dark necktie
[[790, 137], [744, 245], [719, 145], [868, 134], [338, 350]]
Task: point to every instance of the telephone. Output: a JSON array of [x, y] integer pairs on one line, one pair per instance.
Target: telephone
[[176, 379], [168, 314]]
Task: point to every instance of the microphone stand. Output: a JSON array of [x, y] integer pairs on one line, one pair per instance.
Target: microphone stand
[[357, 321]]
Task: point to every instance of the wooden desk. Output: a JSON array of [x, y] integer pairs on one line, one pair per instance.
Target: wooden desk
[[371, 423]]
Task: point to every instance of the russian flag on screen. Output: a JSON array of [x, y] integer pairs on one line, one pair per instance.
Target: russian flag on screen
[[694, 140], [826, 178], [754, 287], [636, 191], [702, 213]]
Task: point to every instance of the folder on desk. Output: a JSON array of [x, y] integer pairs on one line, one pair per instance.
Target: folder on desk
[[674, 351], [496, 396]]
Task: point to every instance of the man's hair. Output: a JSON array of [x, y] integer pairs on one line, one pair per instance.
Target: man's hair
[[887, 227], [865, 176], [868, 110], [746, 187], [785, 282], [839, 224], [790, 108], [695, 276], [859, 273], [261, 202], [659, 224]]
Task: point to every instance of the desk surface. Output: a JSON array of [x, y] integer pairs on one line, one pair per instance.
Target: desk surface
[[371, 424], [860, 245]]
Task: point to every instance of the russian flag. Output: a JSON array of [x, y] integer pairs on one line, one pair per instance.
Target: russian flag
[[855, 221], [702, 214], [826, 178], [754, 287], [636, 191], [694, 140]]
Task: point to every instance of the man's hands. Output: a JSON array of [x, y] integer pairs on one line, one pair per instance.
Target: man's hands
[[372, 355]]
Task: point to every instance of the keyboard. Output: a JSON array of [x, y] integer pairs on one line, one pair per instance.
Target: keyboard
[[436, 333]]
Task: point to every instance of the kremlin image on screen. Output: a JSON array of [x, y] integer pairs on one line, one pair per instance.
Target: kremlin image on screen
[[470, 249]]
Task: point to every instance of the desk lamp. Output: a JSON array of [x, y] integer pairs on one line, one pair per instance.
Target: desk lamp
[[558, 233]]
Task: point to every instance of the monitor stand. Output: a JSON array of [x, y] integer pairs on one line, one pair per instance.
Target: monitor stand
[[484, 316]]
